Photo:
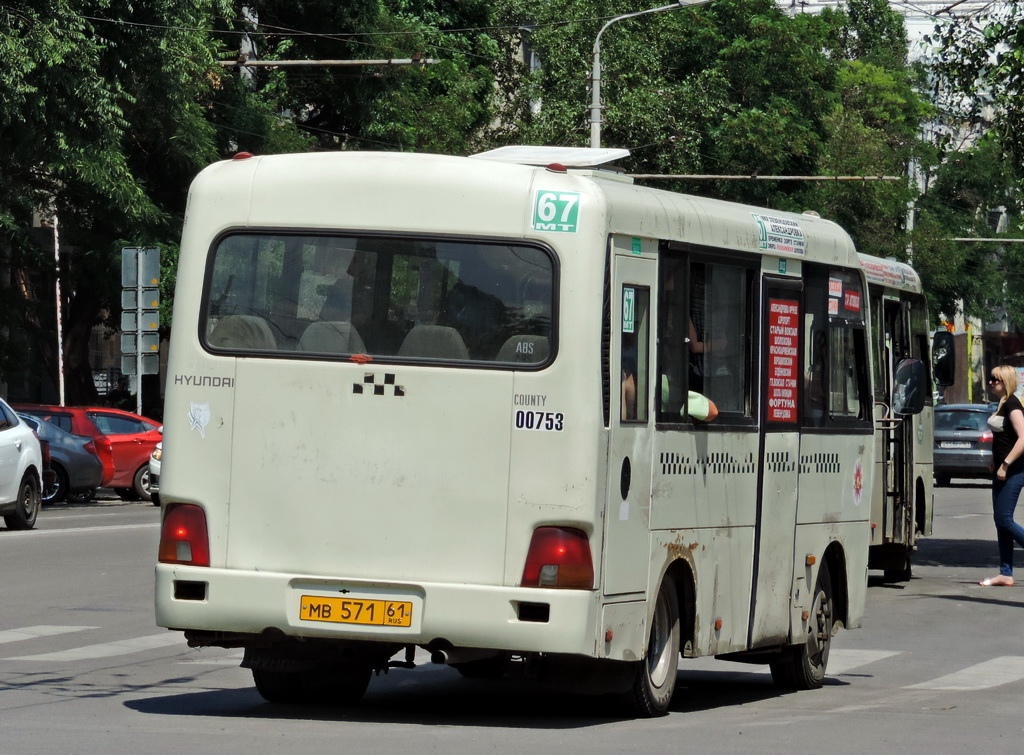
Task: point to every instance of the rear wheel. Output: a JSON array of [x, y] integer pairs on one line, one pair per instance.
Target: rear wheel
[[27, 506], [342, 685], [901, 573], [803, 665], [59, 491], [655, 678], [140, 483]]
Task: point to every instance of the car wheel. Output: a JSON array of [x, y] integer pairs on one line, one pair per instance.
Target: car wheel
[[140, 483], [28, 505], [59, 491]]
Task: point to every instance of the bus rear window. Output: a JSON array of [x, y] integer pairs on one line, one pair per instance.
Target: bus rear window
[[316, 297]]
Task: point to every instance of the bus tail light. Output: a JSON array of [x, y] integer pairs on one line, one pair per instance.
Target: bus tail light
[[559, 557], [183, 536]]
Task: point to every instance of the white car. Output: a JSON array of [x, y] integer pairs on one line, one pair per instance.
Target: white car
[[154, 473], [21, 466]]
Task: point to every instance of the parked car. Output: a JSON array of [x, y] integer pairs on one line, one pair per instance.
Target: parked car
[[74, 459], [154, 473], [21, 469], [132, 439], [963, 442]]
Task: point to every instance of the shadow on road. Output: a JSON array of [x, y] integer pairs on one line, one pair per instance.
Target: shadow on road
[[955, 552], [404, 699]]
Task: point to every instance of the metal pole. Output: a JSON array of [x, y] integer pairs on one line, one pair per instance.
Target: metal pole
[[60, 318], [138, 331], [595, 76]]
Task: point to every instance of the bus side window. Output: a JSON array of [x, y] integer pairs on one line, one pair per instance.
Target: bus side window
[[719, 335], [634, 356]]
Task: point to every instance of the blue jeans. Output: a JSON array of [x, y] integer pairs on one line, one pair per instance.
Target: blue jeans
[[1004, 501]]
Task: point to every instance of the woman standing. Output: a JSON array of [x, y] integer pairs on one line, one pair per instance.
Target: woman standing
[[1007, 426]]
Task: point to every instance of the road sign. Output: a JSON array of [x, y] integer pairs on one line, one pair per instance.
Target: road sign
[[140, 312]]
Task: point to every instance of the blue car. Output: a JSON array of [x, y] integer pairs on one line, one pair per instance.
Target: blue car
[[78, 469]]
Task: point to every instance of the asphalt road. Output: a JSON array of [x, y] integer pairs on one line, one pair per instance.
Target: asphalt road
[[938, 667]]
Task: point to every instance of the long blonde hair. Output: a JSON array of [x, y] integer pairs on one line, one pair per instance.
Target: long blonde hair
[[1008, 375]]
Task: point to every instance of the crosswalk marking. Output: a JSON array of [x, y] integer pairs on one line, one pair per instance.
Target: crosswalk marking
[[984, 675], [991, 673], [232, 659], [107, 649], [42, 630], [841, 660]]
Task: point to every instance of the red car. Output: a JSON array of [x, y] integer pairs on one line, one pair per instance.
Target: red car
[[124, 440]]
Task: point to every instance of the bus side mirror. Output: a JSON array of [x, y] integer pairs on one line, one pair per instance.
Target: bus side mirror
[[908, 388], [943, 357]]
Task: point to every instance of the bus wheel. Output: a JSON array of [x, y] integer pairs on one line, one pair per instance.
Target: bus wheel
[[343, 685], [902, 573], [803, 666], [486, 668], [655, 677]]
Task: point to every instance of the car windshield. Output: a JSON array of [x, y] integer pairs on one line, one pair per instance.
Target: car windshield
[[953, 420]]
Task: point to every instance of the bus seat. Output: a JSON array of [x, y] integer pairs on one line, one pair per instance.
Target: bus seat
[[434, 341], [332, 338], [242, 332], [524, 348]]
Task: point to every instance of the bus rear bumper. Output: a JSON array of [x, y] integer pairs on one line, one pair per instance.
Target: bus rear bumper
[[240, 603]]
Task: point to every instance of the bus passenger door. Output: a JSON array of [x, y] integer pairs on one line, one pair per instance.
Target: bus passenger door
[[780, 456], [631, 420], [898, 441]]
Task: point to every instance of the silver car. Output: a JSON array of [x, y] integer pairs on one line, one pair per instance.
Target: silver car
[[963, 442]]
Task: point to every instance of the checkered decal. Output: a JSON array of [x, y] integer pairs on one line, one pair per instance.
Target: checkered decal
[[716, 463], [820, 463], [371, 386], [779, 461]]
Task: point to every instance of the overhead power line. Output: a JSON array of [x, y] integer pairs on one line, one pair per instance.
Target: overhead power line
[[311, 63]]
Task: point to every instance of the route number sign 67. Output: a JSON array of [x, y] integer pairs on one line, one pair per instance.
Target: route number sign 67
[[556, 211]]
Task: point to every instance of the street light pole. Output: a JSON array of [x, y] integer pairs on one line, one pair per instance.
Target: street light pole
[[595, 99]]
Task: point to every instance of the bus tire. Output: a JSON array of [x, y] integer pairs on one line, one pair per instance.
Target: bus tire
[[803, 666], [902, 573], [342, 685], [654, 680]]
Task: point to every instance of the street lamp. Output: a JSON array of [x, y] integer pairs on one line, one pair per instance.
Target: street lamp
[[595, 101]]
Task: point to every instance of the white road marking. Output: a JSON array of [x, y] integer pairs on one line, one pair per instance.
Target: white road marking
[[75, 530], [232, 659], [841, 660], [991, 673], [107, 649], [42, 630]]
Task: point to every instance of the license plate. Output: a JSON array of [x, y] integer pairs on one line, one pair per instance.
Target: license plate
[[387, 613], [954, 444]]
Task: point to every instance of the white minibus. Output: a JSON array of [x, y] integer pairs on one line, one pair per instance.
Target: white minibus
[[419, 401]]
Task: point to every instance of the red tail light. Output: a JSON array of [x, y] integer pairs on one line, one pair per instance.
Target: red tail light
[[985, 437], [104, 450], [559, 557], [183, 536], [44, 450]]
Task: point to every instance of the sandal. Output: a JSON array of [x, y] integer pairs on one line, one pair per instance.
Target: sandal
[[997, 581]]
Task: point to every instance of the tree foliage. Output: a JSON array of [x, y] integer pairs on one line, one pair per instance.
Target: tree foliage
[[109, 107]]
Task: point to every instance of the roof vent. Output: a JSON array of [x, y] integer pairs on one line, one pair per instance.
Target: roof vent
[[570, 157]]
